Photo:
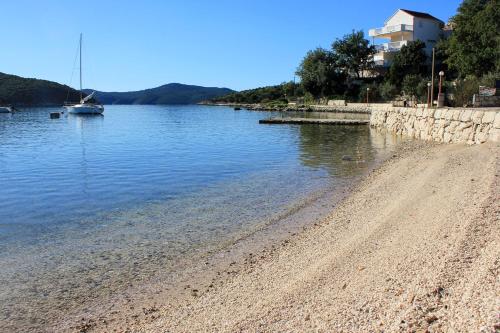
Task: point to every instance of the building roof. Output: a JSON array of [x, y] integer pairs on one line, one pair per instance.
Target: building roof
[[421, 15]]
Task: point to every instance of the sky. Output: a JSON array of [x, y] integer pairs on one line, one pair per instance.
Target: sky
[[133, 45]]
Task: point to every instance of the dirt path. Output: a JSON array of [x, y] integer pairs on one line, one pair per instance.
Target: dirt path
[[416, 247]]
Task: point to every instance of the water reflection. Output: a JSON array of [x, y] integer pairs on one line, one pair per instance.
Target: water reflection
[[344, 151], [324, 146], [86, 126]]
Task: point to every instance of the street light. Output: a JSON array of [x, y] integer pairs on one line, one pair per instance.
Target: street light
[[428, 94], [367, 94], [440, 94], [441, 74]]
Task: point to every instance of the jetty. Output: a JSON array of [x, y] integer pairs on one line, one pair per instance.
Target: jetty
[[314, 121]]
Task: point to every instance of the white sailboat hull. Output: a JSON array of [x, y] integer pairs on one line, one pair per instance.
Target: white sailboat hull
[[85, 109], [5, 109]]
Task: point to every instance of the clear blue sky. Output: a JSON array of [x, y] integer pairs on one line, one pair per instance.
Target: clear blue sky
[[130, 45]]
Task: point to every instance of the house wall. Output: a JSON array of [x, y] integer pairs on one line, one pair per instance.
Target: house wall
[[428, 31], [399, 36], [399, 17]]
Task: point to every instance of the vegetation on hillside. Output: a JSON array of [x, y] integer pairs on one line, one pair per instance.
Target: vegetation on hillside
[[469, 58], [172, 93], [280, 93], [21, 91]]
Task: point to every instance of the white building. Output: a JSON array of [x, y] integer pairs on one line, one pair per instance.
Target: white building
[[404, 26]]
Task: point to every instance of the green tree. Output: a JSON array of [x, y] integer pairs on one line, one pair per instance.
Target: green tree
[[319, 73], [474, 46], [388, 91], [464, 89], [354, 53], [373, 94], [290, 89], [414, 85], [411, 59]]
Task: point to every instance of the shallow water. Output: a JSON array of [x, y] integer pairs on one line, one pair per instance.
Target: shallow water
[[89, 205]]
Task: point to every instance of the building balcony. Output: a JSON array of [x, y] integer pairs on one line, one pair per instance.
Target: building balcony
[[381, 63], [383, 59], [387, 31], [391, 47]]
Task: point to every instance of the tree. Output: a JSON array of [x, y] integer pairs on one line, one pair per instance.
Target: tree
[[411, 59], [388, 91], [474, 46], [354, 53], [290, 89], [373, 94], [319, 73], [414, 85]]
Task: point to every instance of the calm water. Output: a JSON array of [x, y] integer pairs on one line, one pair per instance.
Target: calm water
[[89, 201]]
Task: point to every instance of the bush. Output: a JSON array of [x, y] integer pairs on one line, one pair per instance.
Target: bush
[[463, 90], [388, 91], [415, 86], [374, 95]]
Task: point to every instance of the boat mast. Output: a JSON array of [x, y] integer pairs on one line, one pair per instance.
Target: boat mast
[[81, 95]]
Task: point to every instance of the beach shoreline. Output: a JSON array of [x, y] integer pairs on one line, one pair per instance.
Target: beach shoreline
[[412, 248], [377, 262]]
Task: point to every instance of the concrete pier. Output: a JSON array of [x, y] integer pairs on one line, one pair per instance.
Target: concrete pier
[[314, 121]]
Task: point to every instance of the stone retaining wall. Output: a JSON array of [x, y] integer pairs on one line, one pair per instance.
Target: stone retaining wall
[[470, 126], [349, 108]]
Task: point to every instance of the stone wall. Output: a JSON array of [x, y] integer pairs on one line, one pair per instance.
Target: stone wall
[[465, 125], [337, 102]]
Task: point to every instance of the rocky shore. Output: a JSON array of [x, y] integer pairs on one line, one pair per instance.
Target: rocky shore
[[354, 107]]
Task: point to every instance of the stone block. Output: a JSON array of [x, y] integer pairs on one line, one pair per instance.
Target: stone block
[[453, 126], [466, 115], [494, 135], [477, 117], [448, 115], [464, 136], [481, 137], [496, 122], [464, 125], [488, 117]]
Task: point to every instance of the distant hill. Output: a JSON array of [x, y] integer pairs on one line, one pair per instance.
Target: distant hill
[[22, 91], [172, 93], [262, 95]]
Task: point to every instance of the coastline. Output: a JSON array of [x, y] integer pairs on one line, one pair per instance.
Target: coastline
[[412, 248], [359, 108]]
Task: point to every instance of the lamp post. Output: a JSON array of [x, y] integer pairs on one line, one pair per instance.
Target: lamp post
[[428, 94], [440, 93], [367, 95], [432, 76]]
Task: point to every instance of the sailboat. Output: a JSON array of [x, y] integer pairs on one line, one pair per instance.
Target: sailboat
[[5, 109], [84, 107]]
